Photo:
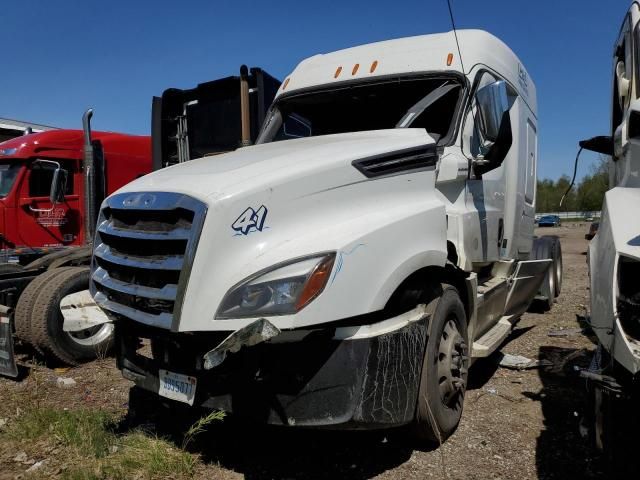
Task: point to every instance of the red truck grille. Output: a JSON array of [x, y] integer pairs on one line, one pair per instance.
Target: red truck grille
[[143, 252]]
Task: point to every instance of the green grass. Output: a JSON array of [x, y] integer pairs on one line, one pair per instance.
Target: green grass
[[139, 455], [93, 450], [92, 431]]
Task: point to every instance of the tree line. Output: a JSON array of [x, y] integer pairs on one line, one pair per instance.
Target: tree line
[[587, 195]]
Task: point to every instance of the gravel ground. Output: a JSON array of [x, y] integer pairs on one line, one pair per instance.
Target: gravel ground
[[516, 424]]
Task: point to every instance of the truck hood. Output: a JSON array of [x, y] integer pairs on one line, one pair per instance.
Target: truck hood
[[251, 169], [269, 204]]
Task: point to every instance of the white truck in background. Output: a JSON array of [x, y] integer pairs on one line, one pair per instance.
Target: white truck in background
[[347, 269], [614, 266]]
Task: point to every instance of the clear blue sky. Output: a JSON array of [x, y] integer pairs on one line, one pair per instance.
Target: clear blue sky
[[60, 57]]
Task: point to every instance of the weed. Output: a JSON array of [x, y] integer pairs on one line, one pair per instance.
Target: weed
[[199, 426]]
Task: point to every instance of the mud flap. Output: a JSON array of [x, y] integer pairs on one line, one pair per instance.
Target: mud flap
[[8, 365], [525, 284]]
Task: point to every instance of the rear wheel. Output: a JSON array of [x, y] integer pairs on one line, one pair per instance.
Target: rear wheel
[[548, 248], [557, 264], [444, 371], [47, 322]]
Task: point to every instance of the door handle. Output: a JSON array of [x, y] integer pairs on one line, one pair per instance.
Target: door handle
[[41, 210]]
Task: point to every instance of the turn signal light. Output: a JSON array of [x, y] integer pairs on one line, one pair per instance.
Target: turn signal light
[[316, 282]]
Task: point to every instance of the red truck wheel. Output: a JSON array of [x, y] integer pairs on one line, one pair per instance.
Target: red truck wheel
[[47, 321], [26, 302]]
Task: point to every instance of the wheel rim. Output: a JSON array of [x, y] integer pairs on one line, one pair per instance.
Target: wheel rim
[[559, 271], [92, 336], [452, 364]]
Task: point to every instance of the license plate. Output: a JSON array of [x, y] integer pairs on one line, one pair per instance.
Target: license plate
[[176, 386]]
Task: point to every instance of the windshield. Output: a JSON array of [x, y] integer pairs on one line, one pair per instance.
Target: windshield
[[8, 174], [428, 103]]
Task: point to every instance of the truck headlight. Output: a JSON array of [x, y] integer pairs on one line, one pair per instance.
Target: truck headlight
[[281, 290]]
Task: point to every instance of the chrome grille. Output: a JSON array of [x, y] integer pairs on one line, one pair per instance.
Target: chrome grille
[[143, 252]]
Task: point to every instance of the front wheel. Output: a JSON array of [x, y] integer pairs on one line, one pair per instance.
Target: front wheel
[[444, 371]]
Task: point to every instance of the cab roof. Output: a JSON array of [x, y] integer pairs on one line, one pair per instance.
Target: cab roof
[[68, 144], [419, 54]]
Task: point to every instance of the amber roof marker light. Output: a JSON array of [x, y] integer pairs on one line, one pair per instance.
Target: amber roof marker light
[[374, 65], [355, 69], [338, 72], [449, 59]]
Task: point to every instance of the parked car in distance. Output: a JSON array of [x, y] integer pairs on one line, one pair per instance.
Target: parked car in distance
[[593, 229], [549, 221]]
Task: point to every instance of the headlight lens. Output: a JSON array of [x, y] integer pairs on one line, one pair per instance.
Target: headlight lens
[[283, 290]]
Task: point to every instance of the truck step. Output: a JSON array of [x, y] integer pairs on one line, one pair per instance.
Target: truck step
[[490, 341]]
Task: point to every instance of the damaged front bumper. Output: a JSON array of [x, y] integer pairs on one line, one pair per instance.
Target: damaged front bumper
[[341, 377]]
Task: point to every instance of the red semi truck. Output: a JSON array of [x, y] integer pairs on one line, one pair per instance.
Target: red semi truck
[[30, 223], [52, 184]]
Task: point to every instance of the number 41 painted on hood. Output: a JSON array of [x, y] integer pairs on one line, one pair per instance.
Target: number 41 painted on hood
[[250, 219]]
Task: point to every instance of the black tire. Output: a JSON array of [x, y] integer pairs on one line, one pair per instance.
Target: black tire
[[444, 371], [10, 268], [557, 265], [544, 248], [556, 268], [26, 302], [47, 320]]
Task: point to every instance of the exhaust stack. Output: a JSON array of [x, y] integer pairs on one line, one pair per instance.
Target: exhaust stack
[[244, 106], [89, 179]]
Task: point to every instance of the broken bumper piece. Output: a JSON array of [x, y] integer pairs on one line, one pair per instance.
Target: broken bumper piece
[[348, 377]]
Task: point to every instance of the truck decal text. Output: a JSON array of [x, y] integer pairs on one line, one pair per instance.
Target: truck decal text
[[54, 218], [250, 220]]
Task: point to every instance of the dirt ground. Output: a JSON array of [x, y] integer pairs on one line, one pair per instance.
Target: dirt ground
[[516, 424]]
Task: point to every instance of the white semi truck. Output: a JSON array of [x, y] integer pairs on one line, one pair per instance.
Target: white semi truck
[[347, 269], [614, 265]]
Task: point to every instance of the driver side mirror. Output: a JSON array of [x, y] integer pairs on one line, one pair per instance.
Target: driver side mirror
[[58, 185], [493, 102], [494, 125], [602, 144]]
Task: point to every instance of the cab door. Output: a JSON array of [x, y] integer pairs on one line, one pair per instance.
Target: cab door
[[42, 223], [524, 234]]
